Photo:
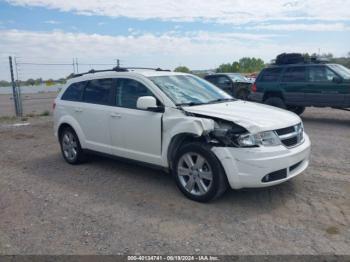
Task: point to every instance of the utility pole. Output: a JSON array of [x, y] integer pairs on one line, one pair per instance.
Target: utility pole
[[19, 98], [14, 92], [73, 66], [76, 64]]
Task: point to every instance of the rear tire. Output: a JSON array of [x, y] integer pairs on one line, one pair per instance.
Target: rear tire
[[70, 147], [198, 173], [275, 101], [297, 109]]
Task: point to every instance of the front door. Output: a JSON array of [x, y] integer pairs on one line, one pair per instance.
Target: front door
[[322, 90], [135, 134]]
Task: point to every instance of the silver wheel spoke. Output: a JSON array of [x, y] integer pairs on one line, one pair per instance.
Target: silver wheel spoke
[[206, 175], [71, 155], [181, 171], [65, 139], [199, 162], [202, 188], [190, 184], [188, 160]]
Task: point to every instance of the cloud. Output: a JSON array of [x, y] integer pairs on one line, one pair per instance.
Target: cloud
[[317, 27], [52, 22], [197, 50], [223, 11]]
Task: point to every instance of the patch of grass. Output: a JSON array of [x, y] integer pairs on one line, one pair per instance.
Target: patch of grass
[[7, 118], [45, 113], [332, 230], [30, 115]]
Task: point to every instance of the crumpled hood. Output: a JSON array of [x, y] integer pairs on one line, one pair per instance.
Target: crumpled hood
[[252, 116]]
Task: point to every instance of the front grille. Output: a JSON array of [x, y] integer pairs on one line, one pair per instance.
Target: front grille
[[290, 141], [284, 131], [291, 136]]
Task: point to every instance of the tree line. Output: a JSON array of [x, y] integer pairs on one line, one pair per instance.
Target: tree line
[[255, 65], [243, 65]]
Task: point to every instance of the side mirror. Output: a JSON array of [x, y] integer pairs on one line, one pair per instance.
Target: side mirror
[[337, 79], [148, 103]]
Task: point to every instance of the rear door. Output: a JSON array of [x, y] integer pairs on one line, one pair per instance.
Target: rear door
[[322, 90], [94, 114], [268, 80], [293, 84]]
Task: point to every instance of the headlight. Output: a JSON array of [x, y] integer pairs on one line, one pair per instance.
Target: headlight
[[268, 138]]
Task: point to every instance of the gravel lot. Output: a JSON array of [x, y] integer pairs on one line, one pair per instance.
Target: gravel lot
[[110, 207]]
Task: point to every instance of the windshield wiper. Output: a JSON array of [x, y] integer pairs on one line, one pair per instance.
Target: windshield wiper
[[221, 100], [190, 104]]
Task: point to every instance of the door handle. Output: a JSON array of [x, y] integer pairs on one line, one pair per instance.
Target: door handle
[[78, 110], [115, 115]]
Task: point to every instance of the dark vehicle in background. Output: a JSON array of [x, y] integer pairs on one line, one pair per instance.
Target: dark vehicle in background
[[234, 84], [294, 86]]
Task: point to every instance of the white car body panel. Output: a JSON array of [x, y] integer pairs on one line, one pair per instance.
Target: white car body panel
[[128, 128], [252, 116], [146, 136]]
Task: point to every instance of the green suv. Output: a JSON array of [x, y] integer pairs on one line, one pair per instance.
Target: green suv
[[296, 86]]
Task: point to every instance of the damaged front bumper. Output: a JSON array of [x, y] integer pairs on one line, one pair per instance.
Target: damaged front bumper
[[263, 166]]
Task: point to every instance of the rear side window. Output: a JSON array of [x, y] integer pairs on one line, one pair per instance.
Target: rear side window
[[74, 92], [271, 75], [294, 74], [98, 91]]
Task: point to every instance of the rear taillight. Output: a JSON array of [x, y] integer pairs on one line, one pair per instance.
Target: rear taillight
[[254, 87], [53, 106]]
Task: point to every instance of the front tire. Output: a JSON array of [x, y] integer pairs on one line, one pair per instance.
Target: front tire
[[70, 147], [198, 173]]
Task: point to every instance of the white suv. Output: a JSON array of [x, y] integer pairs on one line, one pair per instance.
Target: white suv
[[182, 123]]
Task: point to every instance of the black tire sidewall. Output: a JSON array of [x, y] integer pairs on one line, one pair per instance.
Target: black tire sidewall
[[215, 165]]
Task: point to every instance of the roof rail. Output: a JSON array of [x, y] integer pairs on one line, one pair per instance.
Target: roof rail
[[119, 69]]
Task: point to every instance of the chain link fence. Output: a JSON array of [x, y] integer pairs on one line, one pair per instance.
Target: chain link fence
[[37, 83]]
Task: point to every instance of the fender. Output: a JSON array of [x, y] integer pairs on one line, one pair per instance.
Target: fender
[[177, 124], [67, 119]]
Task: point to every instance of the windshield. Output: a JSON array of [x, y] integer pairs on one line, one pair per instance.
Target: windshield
[[238, 77], [341, 70], [189, 90]]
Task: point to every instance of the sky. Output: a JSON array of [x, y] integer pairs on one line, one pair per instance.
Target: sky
[[162, 33]]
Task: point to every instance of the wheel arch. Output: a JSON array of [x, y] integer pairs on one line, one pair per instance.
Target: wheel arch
[[69, 121], [178, 141], [269, 94]]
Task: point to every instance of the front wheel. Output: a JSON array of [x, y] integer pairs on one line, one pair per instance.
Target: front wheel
[[198, 173]]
